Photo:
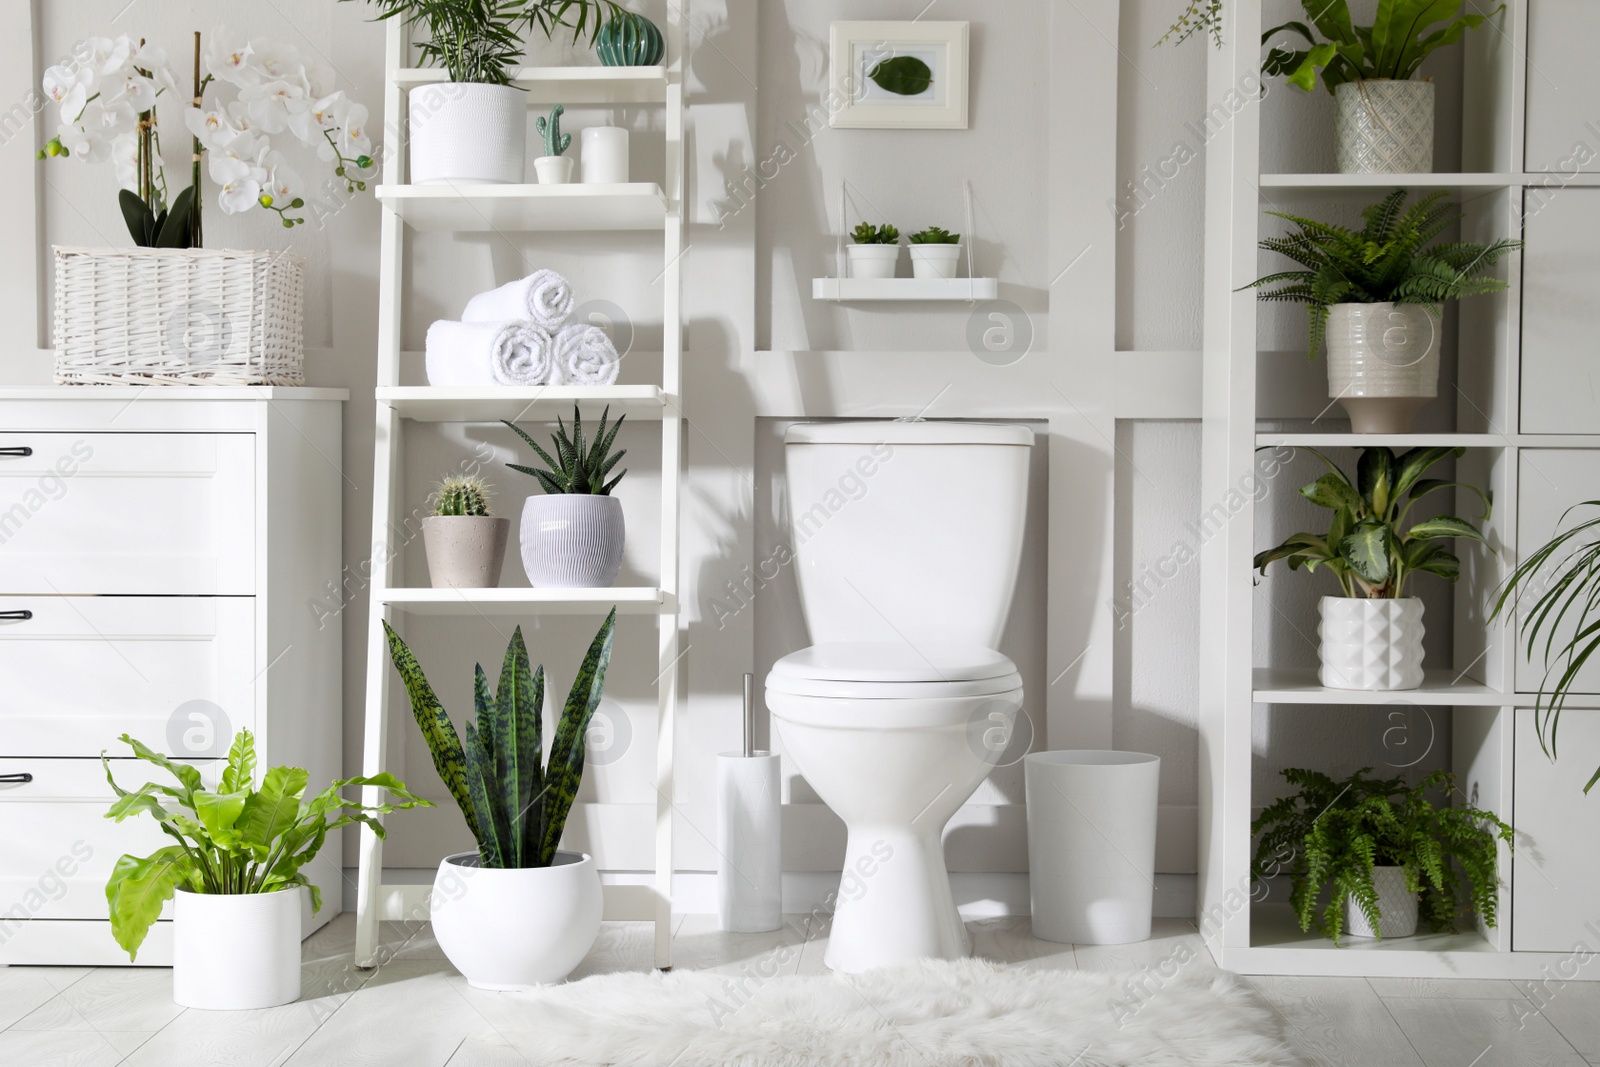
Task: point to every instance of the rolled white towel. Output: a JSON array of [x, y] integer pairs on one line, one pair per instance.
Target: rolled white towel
[[473, 354], [584, 355], [543, 297]]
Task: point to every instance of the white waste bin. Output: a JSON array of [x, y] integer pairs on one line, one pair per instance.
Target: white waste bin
[[1092, 844]]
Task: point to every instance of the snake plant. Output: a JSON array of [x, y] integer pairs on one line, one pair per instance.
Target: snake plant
[[575, 468], [515, 803]]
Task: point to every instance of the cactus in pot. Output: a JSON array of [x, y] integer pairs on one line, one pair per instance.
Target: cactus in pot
[[465, 542], [553, 167]]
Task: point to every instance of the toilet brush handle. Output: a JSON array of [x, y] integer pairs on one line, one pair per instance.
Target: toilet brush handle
[[749, 716]]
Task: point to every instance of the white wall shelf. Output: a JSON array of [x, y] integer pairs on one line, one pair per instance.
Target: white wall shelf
[[567, 85], [1292, 685], [522, 403], [1397, 441], [864, 289], [527, 208], [628, 600]]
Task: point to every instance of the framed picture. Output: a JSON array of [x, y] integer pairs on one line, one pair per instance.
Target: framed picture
[[898, 75]]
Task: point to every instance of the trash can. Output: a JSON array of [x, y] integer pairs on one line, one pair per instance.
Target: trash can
[[1092, 844]]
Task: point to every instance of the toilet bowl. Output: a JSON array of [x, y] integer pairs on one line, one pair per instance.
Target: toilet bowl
[[907, 538]]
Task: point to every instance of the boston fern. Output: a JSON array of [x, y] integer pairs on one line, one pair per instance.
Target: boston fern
[[1393, 47], [575, 468], [1386, 261], [1331, 834]]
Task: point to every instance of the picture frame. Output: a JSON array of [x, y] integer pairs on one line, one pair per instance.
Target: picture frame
[[898, 75]]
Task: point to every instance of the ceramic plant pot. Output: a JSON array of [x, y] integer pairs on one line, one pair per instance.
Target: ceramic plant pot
[[1384, 126], [629, 41], [465, 551], [520, 928], [236, 952], [1371, 644], [1397, 907], [934, 261], [1383, 363], [873, 261], [553, 170], [467, 134], [572, 540]]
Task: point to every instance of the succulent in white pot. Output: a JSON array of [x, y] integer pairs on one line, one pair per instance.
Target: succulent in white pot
[[573, 534], [553, 168], [875, 252], [466, 545], [934, 253], [1371, 632]]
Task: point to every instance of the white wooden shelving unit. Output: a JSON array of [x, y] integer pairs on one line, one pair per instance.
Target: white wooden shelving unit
[[1481, 689], [636, 206]]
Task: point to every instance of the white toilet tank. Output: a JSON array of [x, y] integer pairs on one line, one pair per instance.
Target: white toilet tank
[[907, 531]]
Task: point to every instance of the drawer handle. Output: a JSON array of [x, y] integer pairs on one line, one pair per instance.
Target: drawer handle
[[16, 779], [18, 450], [22, 616]]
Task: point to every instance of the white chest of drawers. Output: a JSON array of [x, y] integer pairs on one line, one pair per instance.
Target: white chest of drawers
[[166, 561]]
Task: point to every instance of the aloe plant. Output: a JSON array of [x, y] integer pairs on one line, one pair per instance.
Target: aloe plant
[[1367, 547], [462, 495], [933, 235], [575, 468], [555, 142], [239, 838], [515, 803], [867, 234], [1393, 47]]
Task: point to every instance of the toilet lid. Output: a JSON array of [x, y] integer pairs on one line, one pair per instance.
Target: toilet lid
[[887, 670]]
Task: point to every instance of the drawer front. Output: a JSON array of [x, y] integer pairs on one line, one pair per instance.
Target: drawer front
[[1552, 480], [175, 672], [1555, 863], [1563, 83], [129, 514], [1560, 273]]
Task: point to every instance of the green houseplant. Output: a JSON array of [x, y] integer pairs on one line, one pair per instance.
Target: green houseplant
[[573, 534], [1373, 548], [1375, 294], [875, 252], [1375, 845], [464, 541], [516, 912], [934, 253], [239, 851], [553, 167]]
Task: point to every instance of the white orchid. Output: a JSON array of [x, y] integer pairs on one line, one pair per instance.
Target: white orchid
[[88, 145], [125, 154], [240, 181], [353, 139], [326, 115], [270, 104], [134, 90], [108, 57], [232, 61]]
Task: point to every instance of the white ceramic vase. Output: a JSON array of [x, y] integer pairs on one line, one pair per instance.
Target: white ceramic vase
[[1384, 126], [604, 159], [519, 928], [572, 540], [1397, 907], [1372, 644], [1383, 363], [468, 134], [465, 551], [553, 170], [873, 261], [934, 261], [236, 952]]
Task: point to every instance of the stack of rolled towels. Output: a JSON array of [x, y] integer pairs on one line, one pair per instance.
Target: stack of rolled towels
[[519, 334]]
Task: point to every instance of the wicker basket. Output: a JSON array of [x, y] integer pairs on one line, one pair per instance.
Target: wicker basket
[[166, 316]]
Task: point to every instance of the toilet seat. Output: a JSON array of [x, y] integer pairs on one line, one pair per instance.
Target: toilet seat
[[883, 671]]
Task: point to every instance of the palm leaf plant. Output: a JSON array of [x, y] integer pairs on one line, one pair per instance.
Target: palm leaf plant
[[1330, 834], [238, 838], [577, 466], [1402, 34], [1391, 259], [1369, 548], [514, 800]]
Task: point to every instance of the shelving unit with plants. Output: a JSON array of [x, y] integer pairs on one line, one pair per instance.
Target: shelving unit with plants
[[653, 211], [1259, 394]]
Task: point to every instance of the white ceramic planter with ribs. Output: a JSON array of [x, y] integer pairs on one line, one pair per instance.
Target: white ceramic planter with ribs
[[572, 540]]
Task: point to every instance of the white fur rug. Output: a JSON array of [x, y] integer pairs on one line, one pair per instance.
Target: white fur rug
[[971, 1013]]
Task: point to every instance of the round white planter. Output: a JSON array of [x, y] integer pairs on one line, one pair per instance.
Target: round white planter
[[1383, 363], [1384, 127], [466, 134], [572, 540], [1373, 644], [236, 952], [553, 170], [605, 155], [1397, 907], [465, 551], [934, 261], [873, 261], [516, 929]]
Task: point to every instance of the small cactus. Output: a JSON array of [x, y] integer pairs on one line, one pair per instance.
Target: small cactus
[[462, 495], [555, 142]]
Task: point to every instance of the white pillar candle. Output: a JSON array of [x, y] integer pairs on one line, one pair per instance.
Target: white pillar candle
[[605, 155]]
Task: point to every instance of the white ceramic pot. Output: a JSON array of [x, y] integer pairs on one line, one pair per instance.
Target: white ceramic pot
[[516, 929], [465, 551], [572, 540], [236, 952], [873, 261], [467, 134], [553, 170], [1373, 644], [1397, 907], [934, 261], [605, 155], [1383, 363], [1384, 126]]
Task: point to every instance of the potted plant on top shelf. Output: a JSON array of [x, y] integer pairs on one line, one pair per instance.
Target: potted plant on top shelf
[[875, 252], [573, 534], [1372, 632], [934, 253], [1384, 122], [1376, 294]]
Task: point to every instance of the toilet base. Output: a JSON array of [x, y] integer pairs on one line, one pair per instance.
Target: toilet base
[[894, 904]]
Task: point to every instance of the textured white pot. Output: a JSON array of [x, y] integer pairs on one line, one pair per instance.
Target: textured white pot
[[465, 551], [1383, 363], [516, 929], [553, 170], [1371, 644], [605, 155], [934, 261], [1384, 126], [236, 952], [466, 134], [572, 540], [1397, 907], [873, 261]]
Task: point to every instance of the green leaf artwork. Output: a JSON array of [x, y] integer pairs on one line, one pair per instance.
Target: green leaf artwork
[[902, 75]]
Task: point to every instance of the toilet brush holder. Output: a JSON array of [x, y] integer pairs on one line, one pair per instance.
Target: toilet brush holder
[[749, 836]]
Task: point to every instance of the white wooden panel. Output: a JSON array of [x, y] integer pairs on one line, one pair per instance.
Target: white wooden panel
[[1553, 480], [128, 514], [1563, 85], [84, 670], [1556, 865], [1561, 274]]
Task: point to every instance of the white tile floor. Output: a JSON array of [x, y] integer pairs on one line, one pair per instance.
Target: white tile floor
[[415, 1011]]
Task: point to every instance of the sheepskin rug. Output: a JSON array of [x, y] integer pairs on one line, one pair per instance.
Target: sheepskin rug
[[931, 1014]]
